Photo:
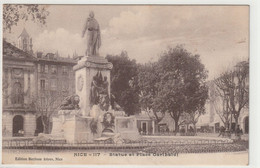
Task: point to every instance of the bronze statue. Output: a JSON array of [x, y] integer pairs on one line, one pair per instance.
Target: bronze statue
[[99, 92], [94, 97], [93, 35], [104, 88], [104, 102], [70, 103]]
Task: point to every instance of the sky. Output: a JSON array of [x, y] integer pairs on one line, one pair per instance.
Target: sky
[[219, 34]]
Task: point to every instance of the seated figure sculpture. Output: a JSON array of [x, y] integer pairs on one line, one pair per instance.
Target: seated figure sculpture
[[70, 103]]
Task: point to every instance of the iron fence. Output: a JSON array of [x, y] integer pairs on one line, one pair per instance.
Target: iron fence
[[183, 146]]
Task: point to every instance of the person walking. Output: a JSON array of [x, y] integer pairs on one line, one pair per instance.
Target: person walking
[[221, 131]]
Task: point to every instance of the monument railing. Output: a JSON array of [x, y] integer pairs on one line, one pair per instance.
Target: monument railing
[[182, 146]]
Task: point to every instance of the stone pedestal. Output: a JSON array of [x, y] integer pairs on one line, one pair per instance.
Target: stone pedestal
[[72, 127], [76, 129], [85, 70], [127, 127]]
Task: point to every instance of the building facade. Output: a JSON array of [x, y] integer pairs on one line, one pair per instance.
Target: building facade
[[145, 124], [25, 78], [19, 86], [55, 74]]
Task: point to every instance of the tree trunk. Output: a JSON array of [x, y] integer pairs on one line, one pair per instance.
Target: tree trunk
[[236, 124], [43, 123], [227, 125], [46, 126], [156, 126], [45, 129], [176, 126], [195, 129]]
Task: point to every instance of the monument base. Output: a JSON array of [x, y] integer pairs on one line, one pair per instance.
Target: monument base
[[86, 69], [76, 130], [127, 127], [72, 127]]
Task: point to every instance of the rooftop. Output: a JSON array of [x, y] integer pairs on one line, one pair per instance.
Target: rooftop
[[12, 52], [50, 57]]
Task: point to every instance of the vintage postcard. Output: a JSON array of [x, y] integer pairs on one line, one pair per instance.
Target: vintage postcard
[[125, 84]]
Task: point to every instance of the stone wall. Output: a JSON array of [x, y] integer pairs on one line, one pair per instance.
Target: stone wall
[[7, 126], [29, 123]]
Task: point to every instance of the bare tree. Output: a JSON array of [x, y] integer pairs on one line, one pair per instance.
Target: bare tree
[[46, 104], [219, 102], [233, 87]]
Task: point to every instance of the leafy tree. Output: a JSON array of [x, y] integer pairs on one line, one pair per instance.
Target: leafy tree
[[148, 80], [13, 13], [123, 82], [197, 104], [233, 88], [182, 84]]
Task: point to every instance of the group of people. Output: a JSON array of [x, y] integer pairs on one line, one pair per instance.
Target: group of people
[[223, 132], [20, 133]]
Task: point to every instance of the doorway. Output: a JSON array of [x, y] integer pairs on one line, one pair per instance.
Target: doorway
[[144, 127], [39, 126], [18, 123]]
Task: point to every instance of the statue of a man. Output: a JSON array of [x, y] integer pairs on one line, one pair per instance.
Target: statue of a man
[[93, 35]]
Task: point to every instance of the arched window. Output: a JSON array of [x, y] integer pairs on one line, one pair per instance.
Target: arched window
[[18, 123]]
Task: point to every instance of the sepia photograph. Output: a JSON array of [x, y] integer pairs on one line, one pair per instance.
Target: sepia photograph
[[125, 84]]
